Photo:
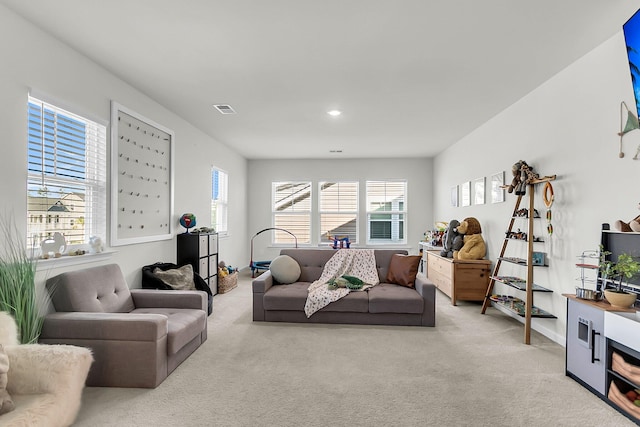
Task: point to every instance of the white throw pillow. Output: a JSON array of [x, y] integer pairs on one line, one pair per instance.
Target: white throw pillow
[[285, 269]]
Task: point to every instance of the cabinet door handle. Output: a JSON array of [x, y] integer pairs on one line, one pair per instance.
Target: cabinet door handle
[[593, 346]]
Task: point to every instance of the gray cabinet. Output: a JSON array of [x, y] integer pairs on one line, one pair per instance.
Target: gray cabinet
[[201, 251], [586, 345]]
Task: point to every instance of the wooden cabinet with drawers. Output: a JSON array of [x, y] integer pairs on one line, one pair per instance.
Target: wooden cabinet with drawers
[[201, 251], [464, 280]]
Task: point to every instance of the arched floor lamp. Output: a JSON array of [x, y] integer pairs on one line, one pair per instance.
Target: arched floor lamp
[[264, 265]]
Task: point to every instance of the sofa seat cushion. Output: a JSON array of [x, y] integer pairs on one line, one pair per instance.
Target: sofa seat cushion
[[294, 297], [391, 298], [183, 325]]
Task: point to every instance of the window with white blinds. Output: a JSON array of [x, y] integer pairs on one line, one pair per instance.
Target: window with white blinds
[[291, 209], [338, 210], [66, 184], [386, 211], [219, 200]]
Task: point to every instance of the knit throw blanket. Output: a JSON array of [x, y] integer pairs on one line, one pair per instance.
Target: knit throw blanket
[[360, 263]]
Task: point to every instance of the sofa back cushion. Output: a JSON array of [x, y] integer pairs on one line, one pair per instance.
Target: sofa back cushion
[[312, 261], [101, 289]]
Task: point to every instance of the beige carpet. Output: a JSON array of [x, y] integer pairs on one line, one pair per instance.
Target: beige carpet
[[470, 370]]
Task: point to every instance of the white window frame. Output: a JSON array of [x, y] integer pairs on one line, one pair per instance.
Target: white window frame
[[392, 205], [297, 210], [340, 209], [220, 204], [52, 180]]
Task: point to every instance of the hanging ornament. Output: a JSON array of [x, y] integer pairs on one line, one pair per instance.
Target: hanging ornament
[[547, 198]]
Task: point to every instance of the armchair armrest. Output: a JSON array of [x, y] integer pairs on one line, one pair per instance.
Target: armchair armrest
[[262, 283], [104, 326], [155, 298]]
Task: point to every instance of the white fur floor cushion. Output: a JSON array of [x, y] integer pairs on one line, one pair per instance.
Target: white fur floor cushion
[[55, 374]]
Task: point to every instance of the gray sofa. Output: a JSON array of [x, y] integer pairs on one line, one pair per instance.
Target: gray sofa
[[138, 336], [383, 304]]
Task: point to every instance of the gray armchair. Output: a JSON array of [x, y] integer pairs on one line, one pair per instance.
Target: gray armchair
[[138, 336]]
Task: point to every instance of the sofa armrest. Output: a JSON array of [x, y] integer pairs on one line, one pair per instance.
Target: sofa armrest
[[42, 368], [104, 326], [262, 283], [427, 290], [155, 298]]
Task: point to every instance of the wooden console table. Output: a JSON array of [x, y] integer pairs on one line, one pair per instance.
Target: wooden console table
[[464, 280]]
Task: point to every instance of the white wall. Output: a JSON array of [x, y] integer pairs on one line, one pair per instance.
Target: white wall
[[417, 172], [32, 59], [566, 127]]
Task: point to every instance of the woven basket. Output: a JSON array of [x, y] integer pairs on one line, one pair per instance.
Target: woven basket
[[227, 283]]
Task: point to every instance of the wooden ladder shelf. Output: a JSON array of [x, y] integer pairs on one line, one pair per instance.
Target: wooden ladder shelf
[[529, 260]]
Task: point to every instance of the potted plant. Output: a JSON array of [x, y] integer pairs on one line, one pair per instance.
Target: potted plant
[[623, 270], [605, 267], [17, 284]]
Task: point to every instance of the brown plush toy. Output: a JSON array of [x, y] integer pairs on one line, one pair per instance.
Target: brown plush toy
[[633, 225], [523, 174], [474, 246], [6, 403]]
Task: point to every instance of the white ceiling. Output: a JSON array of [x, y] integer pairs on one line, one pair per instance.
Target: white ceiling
[[411, 76]]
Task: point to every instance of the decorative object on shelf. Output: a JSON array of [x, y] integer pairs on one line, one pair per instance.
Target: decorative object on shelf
[[434, 237], [622, 300], [627, 227], [188, 220], [203, 230], [55, 246], [631, 123], [523, 174], [624, 269], [538, 258], [142, 157], [339, 242], [96, 245]]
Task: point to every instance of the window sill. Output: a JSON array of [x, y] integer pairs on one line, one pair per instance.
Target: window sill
[[68, 260]]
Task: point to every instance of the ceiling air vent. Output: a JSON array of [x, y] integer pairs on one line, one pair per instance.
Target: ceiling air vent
[[225, 109]]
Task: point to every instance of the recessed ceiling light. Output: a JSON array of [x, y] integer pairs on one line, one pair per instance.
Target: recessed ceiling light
[[334, 113], [224, 109]]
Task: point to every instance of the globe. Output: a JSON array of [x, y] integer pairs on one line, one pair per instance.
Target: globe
[[188, 220]]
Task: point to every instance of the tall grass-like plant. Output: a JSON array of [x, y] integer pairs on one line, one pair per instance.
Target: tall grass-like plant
[[17, 283]]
